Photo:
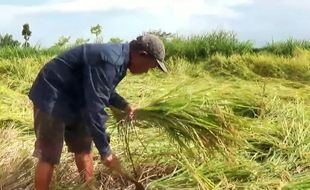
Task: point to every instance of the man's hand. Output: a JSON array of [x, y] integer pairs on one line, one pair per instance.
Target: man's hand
[[131, 112], [112, 162], [128, 114]]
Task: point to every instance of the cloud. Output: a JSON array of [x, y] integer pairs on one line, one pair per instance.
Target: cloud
[[135, 15], [182, 9], [293, 5]]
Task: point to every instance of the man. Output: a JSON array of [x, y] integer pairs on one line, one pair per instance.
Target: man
[[69, 97]]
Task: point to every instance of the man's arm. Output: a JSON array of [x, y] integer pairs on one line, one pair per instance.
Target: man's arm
[[97, 86], [118, 101]]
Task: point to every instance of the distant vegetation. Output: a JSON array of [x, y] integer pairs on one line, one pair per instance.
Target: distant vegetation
[[193, 48]]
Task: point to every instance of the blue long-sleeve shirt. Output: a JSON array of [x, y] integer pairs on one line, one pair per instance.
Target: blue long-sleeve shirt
[[80, 83]]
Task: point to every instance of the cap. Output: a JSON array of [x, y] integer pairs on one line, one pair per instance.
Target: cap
[[155, 47]]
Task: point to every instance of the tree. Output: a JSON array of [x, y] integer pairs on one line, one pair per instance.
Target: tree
[[62, 41], [80, 41], [7, 40], [26, 33], [161, 34], [97, 30], [115, 40]]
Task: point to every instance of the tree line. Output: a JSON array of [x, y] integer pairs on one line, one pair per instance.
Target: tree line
[[7, 40]]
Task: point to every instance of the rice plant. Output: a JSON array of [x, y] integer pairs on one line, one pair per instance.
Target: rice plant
[[188, 118], [224, 122]]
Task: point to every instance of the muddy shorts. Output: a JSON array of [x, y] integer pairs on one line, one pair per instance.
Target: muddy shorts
[[51, 132]]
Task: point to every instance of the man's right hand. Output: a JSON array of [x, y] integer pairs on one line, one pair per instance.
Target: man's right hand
[[112, 162]]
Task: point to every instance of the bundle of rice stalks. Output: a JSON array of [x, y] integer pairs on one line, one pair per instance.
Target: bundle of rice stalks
[[191, 119]]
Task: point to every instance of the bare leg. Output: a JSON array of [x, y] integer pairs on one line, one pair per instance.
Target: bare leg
[[43, 175], [84, 163]]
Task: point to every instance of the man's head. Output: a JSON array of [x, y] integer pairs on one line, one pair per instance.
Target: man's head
[[146, 52]]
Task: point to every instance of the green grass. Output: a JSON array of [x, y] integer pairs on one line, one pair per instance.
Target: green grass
[[198, 47], [287, 47], [264, 96], [254, 66], [12, 53], [18, 74]]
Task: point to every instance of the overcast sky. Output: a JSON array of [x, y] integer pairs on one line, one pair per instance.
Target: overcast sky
[[257, 20]]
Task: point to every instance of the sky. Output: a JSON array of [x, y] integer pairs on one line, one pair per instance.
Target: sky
[[260, 21]]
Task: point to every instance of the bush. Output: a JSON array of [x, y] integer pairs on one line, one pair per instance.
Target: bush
[[7, 40], [287, 47], [203, 46]]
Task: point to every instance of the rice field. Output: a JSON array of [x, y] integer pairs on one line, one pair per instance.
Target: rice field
[[239, 121]]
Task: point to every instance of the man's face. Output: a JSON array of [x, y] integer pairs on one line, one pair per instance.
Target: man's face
[[141, 62]]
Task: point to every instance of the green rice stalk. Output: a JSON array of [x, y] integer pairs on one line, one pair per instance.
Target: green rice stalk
[[190, 120]]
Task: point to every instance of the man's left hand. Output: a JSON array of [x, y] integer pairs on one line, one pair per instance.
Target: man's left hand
[[131, 112]]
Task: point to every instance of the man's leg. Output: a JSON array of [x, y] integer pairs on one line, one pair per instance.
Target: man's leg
[[43, 175], [84, 163], [48, 146], [78, 140]]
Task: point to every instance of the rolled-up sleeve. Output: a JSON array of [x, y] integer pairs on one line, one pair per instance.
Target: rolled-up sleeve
[[97, 82]]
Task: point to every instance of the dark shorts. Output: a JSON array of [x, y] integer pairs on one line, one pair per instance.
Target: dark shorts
[[51, 132]]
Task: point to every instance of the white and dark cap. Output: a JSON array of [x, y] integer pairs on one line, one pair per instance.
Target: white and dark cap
[[155, 47]]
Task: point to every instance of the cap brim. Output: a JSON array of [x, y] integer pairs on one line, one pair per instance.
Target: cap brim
[[162, 66]]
